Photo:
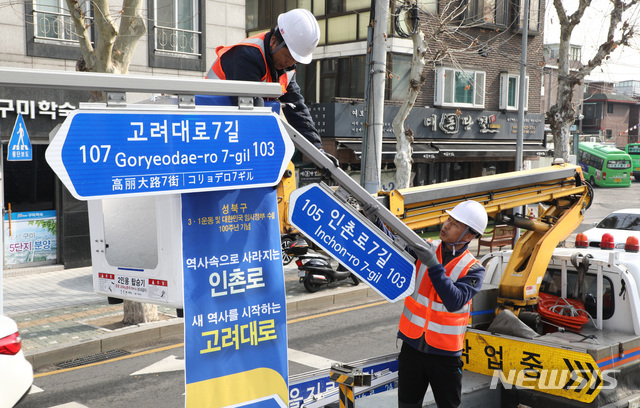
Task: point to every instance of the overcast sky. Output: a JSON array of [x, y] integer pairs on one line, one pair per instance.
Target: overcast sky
[[624, 63]]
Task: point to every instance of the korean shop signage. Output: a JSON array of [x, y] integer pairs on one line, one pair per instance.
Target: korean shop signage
[[346, 120], [41, 109]]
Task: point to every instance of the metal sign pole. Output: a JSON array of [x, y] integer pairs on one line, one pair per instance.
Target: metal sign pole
[[404, 234]]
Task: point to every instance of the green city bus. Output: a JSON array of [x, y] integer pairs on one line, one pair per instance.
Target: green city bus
[[604, 166], [633, 149]]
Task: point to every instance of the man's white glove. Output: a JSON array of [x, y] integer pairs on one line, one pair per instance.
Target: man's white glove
[[426, 253]]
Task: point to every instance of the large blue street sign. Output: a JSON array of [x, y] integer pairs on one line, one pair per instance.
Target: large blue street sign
[[106, 153], [361, 247]]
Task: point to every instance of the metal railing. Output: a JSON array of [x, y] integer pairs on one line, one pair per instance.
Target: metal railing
[[72, 80]]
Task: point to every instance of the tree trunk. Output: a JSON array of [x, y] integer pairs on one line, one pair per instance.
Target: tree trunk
[[404, 137], [136, 313], [112, 52]]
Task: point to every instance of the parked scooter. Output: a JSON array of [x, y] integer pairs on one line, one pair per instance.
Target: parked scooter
[[315, 270], [292, 246]]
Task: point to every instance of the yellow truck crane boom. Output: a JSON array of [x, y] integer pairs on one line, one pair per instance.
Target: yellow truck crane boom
[[560, 190]]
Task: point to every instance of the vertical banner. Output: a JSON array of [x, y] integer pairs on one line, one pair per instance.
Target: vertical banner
[[30, 237], [234, 300]]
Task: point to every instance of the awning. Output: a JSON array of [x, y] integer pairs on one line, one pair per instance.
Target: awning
[[420, 150], [479, 149], [429, 150]]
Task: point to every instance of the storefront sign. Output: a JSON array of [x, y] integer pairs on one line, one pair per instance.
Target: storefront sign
[[346, 120], [41, 109]]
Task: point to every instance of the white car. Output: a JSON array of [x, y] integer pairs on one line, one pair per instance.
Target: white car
[[620, 224], [16, 373]]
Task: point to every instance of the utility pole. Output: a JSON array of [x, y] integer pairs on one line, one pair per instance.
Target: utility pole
[[372, 146], [523, 75], [522, 83]]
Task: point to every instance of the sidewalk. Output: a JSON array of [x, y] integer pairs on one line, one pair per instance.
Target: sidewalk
[[61, 319]]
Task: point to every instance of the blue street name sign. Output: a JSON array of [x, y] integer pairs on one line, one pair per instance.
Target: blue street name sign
[[106, 153], [357, 244]]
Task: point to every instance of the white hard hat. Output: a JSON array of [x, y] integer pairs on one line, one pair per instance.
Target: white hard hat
[[300, 32], [472, 214]]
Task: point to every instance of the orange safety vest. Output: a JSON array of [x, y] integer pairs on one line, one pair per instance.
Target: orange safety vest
[[424, 312], [256, 41]]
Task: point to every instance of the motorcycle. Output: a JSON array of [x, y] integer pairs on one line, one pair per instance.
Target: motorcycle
[[292, 246], [314, 270]]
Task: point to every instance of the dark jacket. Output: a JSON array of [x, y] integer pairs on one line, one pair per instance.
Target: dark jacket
[[244, 63]]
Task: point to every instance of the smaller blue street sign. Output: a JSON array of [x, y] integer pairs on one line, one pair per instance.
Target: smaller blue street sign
[[365, 251], [132, 152], [19, 148]]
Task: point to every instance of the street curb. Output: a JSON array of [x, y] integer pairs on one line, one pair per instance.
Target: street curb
[[146, 332], [118, 339]]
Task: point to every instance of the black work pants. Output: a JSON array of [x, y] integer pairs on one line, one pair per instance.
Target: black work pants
[[416, 371]]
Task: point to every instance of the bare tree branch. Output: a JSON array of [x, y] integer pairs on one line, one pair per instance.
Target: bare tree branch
[[562, 115], [132, 28], [82, 30], [106, 38]]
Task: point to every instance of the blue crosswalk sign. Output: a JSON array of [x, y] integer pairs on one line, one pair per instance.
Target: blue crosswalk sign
[[19, 148]]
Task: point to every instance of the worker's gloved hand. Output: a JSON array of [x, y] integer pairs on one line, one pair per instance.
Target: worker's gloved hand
[[331, 157], [369, 210], [426, 253]]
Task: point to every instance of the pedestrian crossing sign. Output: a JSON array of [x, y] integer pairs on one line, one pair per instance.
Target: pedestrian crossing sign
[[19, 148]]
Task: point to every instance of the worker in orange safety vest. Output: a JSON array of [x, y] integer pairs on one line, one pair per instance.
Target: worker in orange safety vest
[[271, 57], [435, 316]]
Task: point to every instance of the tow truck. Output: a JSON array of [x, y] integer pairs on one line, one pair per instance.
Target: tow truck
[[523, 356]]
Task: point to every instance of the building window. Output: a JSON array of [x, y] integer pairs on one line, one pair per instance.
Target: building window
[[53, 21], [488, 12], [534, 15], [50, 30], [342, 78], [306, 78], [176, 27], [175, 39], [609, 134], [263, 14], [609, 107], [575, 53], [510, 91], [340, 21], [400, 65], [428, 6], [456, 88]]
